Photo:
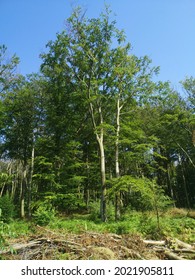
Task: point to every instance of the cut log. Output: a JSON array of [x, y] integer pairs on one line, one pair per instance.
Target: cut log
[[186, 251], [17, 247], [115, 236], [171, 256], [154, 242], [183, 244]]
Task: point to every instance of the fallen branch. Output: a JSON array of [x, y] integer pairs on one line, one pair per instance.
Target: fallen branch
[[131, 253], [154, 242], [186, 251], [171, 256], [67, 242], [17, 247], [183, 244], [58, 241]]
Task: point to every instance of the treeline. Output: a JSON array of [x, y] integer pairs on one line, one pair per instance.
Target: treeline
[[94, 126]]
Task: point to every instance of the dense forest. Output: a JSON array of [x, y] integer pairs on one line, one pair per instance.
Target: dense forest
[[94, 128]]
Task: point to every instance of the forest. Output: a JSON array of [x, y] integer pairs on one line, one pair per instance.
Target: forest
[[95, 137]]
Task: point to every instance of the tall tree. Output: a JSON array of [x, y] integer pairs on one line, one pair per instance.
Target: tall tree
[[19, 118], [8, 75], [83, 60]]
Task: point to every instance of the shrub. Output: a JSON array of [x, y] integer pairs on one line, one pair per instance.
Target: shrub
[[6, 209], [44, 214], [2, 238], [94, 208], [67, 203]]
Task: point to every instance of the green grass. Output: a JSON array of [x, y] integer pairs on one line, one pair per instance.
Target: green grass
[[17, 228], [145, 224], [172, 224]]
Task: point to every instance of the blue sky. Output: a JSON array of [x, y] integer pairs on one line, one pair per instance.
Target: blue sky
[[162, 29]]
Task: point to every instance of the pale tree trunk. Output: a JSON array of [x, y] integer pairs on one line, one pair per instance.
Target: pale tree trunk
[[22, 201], [117, 168], [86, 188], [23, 190], [100, 140], [2, 190], [30, 182], [117, 140], [20, 176], [103, 180]]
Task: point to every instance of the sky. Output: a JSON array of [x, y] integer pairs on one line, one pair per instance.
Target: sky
[[164, 30]]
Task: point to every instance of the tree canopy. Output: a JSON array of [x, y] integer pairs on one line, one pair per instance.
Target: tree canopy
[[93, 125]]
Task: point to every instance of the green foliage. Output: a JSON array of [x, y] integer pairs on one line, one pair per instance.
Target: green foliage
[[6, 209], [19, 228], [3, 231], [8, 76], [69, 203], [148, 226], [94, 209], [44, 214], [132, 222], [94, 101], [65, 203], [145, 193], [15, 229], [4, 179]]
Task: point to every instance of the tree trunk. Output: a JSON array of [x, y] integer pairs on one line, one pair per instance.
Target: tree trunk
[[86, 187], [2, 190], [103, 180], [30, 182], [23, 189], [117, 168], [184, 184], [100, 140], [171, 190]]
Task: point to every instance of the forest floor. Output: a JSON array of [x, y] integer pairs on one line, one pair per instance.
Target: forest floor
[[95, 246], [52, 243]]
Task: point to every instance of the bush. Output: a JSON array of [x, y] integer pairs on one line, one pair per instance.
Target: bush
[[6, 209], [66, 203], [44, 214], [94, 208], [2, 234], [148, 226]]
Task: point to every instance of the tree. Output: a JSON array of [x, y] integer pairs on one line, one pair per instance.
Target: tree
[[167, 117], [83, 63], [8, 76], [132, 81], [20, 120], [86, 52]]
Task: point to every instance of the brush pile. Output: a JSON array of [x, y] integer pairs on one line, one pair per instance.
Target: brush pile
[[48, 245]]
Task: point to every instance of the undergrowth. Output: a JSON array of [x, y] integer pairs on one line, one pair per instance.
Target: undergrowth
[[142, 223], [174, 225]]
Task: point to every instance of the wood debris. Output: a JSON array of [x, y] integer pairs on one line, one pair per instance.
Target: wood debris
[[92, 246]]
